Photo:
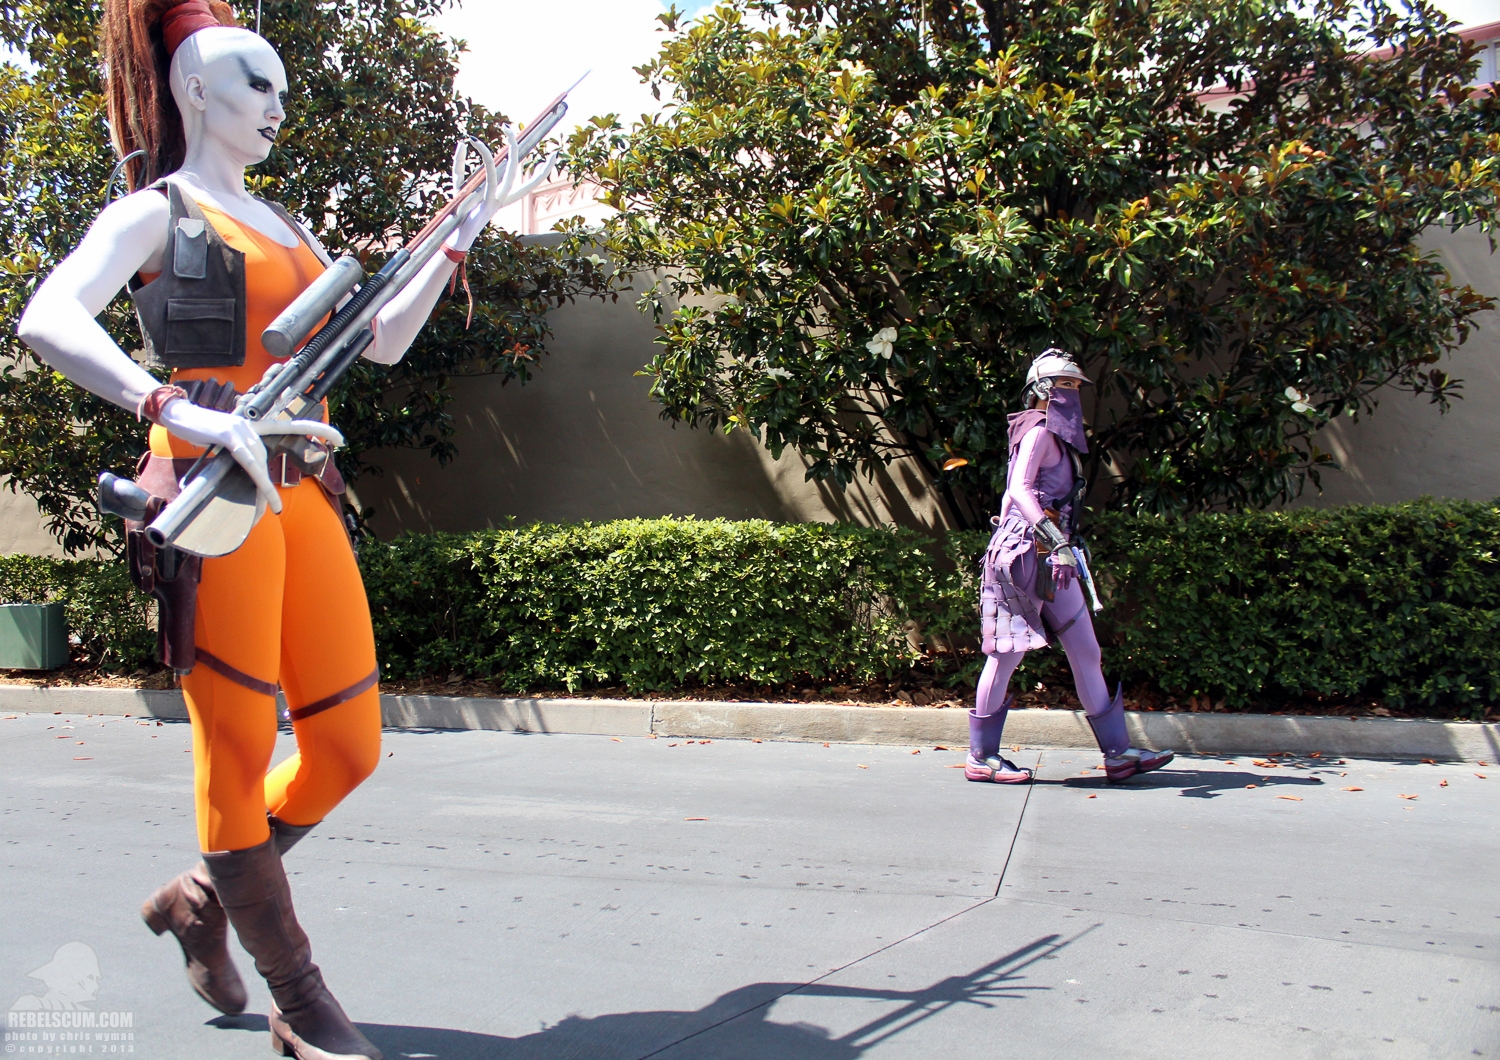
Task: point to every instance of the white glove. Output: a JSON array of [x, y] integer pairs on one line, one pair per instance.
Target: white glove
[[499, 188], [240, 438]]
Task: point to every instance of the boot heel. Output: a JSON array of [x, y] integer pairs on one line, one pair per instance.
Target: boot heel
[[154, 920], [279, 1047]]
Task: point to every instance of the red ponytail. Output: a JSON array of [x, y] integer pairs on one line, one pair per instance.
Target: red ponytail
[[137, 39]]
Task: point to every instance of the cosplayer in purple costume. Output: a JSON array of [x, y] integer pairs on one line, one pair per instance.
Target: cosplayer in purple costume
[[1031, 586]]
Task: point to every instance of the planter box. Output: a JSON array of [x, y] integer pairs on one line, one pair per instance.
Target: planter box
[[32, 637]]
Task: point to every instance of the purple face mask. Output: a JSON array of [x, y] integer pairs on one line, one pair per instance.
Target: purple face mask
[[1065, 418]]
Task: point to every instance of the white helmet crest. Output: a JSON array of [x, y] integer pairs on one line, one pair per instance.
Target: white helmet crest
[[1048, 365]]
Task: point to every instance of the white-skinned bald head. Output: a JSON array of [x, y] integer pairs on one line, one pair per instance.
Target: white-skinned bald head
[[230, 86]]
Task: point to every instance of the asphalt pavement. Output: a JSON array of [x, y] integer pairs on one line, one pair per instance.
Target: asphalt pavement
[[520, 897]]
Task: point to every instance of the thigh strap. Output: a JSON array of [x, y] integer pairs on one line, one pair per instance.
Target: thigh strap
[[239, 677], [364, 684]]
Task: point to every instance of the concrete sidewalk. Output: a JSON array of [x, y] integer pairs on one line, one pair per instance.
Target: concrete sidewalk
[[1258, 734], [498, 895]]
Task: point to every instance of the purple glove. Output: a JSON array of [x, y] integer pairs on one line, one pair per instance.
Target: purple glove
[[1063, 569]]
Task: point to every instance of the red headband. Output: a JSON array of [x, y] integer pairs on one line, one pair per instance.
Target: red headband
[[181, 22]]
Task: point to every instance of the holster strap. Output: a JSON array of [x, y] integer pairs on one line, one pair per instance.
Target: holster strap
[[239, 677], [1069, 624], [364, 684]]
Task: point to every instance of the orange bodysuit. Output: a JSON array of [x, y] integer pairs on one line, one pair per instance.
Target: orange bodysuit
[[286, 608]]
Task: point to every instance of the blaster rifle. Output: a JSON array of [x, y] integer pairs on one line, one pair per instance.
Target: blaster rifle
[[217, 507]]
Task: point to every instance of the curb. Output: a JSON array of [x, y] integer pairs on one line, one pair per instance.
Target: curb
[[1196, 733]]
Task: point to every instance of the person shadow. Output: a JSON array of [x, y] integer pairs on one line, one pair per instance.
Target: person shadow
[[736, 1025], [1190, 783]]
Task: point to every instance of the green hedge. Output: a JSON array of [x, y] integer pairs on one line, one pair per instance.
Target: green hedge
[[1398, 603], [649, 603]]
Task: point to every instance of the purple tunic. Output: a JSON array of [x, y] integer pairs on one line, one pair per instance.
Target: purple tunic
[[1041, 473]]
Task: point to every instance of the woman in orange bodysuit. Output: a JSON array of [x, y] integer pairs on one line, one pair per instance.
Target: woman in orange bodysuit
[[287, 607], [209, 267]]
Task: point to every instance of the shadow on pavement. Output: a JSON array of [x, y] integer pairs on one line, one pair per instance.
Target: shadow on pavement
[[1190, 783], [734, 1025]]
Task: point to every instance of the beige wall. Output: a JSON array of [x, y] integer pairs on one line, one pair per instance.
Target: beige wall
[[583, 440], [1406, 449]]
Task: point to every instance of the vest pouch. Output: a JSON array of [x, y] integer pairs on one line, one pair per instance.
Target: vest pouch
[[200, 329]]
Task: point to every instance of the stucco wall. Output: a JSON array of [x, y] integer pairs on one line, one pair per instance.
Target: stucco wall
[[1406, 449], [583, 440]]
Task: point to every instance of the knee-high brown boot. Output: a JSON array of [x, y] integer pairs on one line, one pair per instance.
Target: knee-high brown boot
[[306, 1020], [188, 907]]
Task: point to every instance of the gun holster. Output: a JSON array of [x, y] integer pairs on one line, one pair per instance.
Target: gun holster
[[170, 576]]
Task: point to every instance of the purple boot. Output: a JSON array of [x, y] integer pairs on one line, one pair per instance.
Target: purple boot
[[984, 761], [1121, 761]]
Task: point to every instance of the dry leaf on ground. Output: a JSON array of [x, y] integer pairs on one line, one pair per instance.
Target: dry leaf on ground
[[1406, 796], [1290, 798], [1351, 788]]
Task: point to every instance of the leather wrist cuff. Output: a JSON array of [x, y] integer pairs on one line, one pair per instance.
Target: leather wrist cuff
[[152, 404]]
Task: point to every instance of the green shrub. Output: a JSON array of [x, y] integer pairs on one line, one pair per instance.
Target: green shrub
[[115, 625], [649, 603], [1400, 604]]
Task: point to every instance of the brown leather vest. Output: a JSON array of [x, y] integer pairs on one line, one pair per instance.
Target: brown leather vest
[[193, 314]]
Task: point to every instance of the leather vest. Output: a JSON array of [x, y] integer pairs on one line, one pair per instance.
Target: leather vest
[[193, 314]]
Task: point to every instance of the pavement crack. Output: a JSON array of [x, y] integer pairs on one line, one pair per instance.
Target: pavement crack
[[1019, 818]]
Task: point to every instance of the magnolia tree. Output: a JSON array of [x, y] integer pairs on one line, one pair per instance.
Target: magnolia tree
[[372, 119], [871, 214]]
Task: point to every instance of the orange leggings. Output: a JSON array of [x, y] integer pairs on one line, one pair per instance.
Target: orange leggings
[[287, 607]]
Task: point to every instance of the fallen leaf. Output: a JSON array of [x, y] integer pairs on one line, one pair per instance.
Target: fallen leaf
[[1483, 763], [672, 744], [863, 766], [1251, 785], [954, 462], [80, 743], [1442, 783], [653, 736], [695, 818], [1406, 796], [1229, 762], [757, 741], [388, 754], [83, 759], [616, 739], [1429, 761], [1481, 776], [1351, 788], [959, 766], [1290, 798], [940, 747], [825, 745], [917, 751], [1316, 754], [1093, 796], [1015, 747]]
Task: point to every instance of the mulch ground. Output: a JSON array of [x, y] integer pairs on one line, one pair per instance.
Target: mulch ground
[[908, 692]]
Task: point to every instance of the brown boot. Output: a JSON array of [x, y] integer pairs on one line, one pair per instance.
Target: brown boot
[[287, 835], [306, 1021], [190, 910]]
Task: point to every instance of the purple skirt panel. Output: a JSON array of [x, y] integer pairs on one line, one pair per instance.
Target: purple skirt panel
[[1010, 612]]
